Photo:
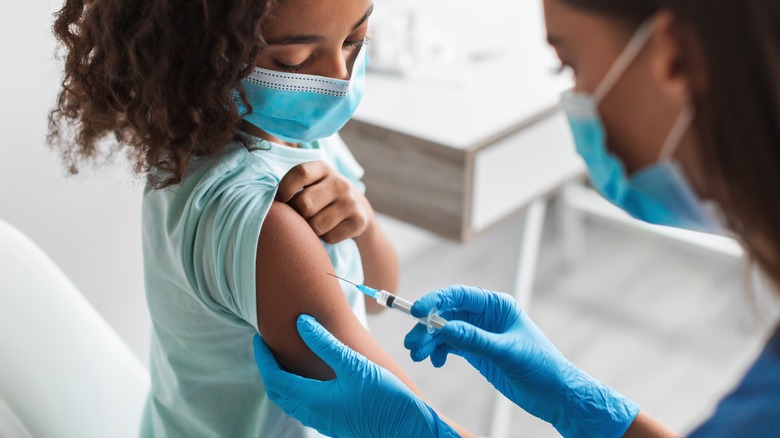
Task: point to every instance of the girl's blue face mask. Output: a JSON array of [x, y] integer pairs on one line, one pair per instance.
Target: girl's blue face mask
[[299, 108], [659, 194]]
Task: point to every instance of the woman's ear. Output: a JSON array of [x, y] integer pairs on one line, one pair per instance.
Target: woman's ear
[[671, 57]]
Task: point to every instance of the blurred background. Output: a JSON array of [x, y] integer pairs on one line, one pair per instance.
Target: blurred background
[[670, 321]]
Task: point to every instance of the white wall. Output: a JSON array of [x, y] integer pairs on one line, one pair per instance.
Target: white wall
[[89, 224]]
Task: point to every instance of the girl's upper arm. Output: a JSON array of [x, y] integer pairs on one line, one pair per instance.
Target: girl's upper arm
[[292, 268]]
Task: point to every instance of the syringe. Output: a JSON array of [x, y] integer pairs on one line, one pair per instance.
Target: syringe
[[433, 321]]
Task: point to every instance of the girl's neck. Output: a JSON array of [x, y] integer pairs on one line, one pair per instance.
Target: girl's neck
[[257, 132]]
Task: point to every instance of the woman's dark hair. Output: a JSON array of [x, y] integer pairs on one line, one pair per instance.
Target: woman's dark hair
[[154, 78], [738, 106]]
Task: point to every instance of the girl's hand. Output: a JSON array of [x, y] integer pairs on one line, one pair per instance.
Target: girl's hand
[[334, 208]]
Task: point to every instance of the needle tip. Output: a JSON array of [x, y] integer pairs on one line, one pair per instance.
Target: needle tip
[[342, 279]]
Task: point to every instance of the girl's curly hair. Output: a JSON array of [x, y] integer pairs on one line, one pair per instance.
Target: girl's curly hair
[[157, 75]]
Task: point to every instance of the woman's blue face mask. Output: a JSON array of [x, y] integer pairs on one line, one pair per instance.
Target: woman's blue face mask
[[659, 194], [300, 108]]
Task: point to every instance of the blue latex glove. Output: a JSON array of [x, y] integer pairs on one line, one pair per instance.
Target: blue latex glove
[[365, 400], [491, 332]]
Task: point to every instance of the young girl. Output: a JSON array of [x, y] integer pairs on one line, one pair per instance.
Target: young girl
[[231, 110]]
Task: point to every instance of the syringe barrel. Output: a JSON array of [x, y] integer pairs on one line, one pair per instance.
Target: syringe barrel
[[391, 301], [399, 303], [382, 296], [387, 299]]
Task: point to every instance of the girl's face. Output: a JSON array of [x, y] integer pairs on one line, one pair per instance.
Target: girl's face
[[639, 111], [315, 37]]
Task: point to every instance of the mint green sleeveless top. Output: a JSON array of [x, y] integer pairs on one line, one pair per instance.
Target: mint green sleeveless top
[[199, 247]]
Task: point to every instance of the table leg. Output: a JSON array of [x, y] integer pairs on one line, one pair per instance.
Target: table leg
[[571, 228], [527, 257]]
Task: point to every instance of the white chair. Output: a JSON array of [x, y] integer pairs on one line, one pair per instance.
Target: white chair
[[63, 371]]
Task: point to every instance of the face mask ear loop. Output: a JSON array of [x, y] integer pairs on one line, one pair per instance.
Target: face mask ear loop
[[360, 59], [625, 59], [675, 136]]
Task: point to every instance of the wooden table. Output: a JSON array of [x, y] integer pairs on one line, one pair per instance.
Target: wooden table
[[457, 155]]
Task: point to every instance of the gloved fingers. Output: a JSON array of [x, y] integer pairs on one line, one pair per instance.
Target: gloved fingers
[[439, 355], [496, 314], [337, 355], [279, 396], [264, 357], [269, 367], [504, 304], [467, 338], [419, 355], [457, 315], [478, 363], [465, 298], [417, 337], [422, 353], [420, 343], [289, 390], [279, 384]]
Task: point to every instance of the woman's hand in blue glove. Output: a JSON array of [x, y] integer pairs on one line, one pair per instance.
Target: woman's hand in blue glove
[[364, 400], [490, 331]]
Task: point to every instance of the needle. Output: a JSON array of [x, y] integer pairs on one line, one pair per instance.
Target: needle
[[385, 299], [342, 279]]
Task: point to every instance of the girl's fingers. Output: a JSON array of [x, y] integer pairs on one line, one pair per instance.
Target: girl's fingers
[[313, 199], [341, 232], [338, 221], [300, 177], [327, 219]]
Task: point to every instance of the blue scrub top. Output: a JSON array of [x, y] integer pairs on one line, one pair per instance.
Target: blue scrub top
[[753, 409]]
